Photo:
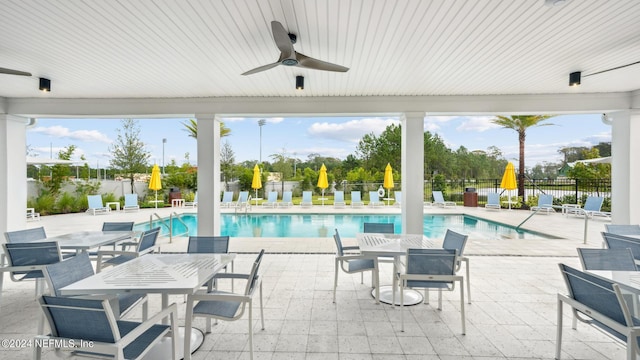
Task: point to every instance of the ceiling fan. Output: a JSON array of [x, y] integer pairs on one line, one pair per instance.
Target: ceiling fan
[[14, 72], [289, 57]]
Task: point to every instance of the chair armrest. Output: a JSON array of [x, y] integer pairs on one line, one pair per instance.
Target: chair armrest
[[231, 276], [219, 296], [115, 252], [171, 311], [351, 248], [355, 257]]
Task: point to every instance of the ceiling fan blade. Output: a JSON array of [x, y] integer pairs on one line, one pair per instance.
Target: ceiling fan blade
[[281, 37], [261, 68], [14, 72], [311, 63]]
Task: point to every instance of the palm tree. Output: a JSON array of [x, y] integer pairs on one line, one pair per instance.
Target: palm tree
[[521, 123], [192, 129]]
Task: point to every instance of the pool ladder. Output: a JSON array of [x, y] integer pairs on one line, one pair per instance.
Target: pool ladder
[[169, 226]]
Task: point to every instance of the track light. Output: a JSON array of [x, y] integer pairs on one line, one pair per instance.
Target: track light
[[45, 85], [299, 82], [574, 78]]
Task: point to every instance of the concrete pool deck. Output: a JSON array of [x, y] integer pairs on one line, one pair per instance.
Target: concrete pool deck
[[512, 316]]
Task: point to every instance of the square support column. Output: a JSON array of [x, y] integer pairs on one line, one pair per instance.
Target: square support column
[[13, 173], [412, 150], [208, 175], [625, 168]]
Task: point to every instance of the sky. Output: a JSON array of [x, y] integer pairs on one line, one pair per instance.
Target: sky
[[299, 137]]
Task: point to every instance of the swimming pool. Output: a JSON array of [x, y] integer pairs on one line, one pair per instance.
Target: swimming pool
[[323, 225]]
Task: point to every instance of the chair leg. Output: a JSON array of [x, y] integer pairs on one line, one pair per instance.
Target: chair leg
[[440, 299], [362, 277], [426, 297], [250, 329], [335, 281], [466, 265], [401, 304], [559, 330], [145, 310], [188, 325], [261, 307], [464, 330]]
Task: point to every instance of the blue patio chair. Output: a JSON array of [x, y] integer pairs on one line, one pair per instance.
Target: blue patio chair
[[79, 267], [456, 241], [354, 263], [431, 269], [146, 245], [130, 202], [120, 226], [493, 201], [599, 303], [25, 261], [227, 199], [592, 207], [622, 229], [438, 199], [306, 199], [243, 201], [379, 228], [228, 306], [374, 199], [613, 241], [272, 199], [338, 199], [398, 198], [94, 329], [607, 259], [545, 204], [287, 199], [96, 205], [210, 245], [356, 199], [26, 235]]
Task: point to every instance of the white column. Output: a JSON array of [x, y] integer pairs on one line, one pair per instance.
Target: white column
[[13, 173], [412, 172], [208, 174], [625, 167]]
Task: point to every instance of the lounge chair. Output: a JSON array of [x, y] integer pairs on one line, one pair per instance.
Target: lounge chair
[[438, 199], [592, 207], [398, 196], [356, 199], [338, 199], [493, 201], [272, 199], [193, 203], [287, 197], [227, 199], [96, 205], [243, 201], [131, 202], [374, 199], [306, 199], [545, 204]]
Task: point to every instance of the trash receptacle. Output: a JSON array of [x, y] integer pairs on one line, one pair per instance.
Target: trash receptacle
[[174, 193], [470, 197]]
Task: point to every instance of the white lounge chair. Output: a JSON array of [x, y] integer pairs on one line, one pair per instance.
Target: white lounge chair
[[592, 207], [272, 199], [398, 198], [193, 203], [356, 199], [338, 199], [130, 202], [243, 201], [96, 205], [545, 204], [227, 199], [438, 199], [306, 199], [287, 197], [374, 199], [493, 201]]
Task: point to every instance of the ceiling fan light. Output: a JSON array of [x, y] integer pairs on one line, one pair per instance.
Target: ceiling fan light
[[45, 85], [299, 82], [574, 78]]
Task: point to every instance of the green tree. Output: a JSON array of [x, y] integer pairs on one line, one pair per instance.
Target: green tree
[[376, 151], [282, 165], [227, 158], [192, 128], [60, 172], [520, 123], [128, 154]]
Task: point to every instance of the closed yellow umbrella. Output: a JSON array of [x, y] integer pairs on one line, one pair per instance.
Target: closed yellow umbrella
[[509, 180], [388, 181], [256, 183], [323, 182], [155, 183]]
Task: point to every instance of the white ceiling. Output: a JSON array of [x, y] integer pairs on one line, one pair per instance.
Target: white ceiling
[[199, 48]]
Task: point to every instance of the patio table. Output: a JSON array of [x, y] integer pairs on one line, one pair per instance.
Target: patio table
[[82, 241], [395, 245], [163, 274]]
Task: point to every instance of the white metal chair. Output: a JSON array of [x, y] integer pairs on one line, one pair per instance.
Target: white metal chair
[[545, 204], [146, 245], [493, 201], [287, 197], [374, 199], [228, 306], [456, 241], [338, 199], [96, 205], [130, 202], [227, 199], [438, 199], [306, 199], [354, 264], [26, 260], [356, 199], [272, 199]]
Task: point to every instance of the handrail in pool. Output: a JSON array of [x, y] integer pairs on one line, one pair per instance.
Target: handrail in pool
[[161, 221], [179, 218]]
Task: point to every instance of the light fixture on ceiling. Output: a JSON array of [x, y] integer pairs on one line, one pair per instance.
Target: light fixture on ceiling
[[299, 82], [45, 85], [574, 78]]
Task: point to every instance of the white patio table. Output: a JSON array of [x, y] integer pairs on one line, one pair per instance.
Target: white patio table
[[82, 241], [163, 274], [395, 245]]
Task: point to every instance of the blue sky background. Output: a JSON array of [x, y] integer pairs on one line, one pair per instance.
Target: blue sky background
[[299, 137]]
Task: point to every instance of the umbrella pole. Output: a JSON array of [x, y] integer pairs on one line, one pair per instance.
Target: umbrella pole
[[156, 199], [322, 197]]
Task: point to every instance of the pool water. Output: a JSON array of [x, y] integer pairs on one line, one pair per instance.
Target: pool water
[[323, 225]]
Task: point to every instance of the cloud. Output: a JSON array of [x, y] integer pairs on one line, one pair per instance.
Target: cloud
[[80, 135], [432, 123], [477, 123], [350, 131]]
